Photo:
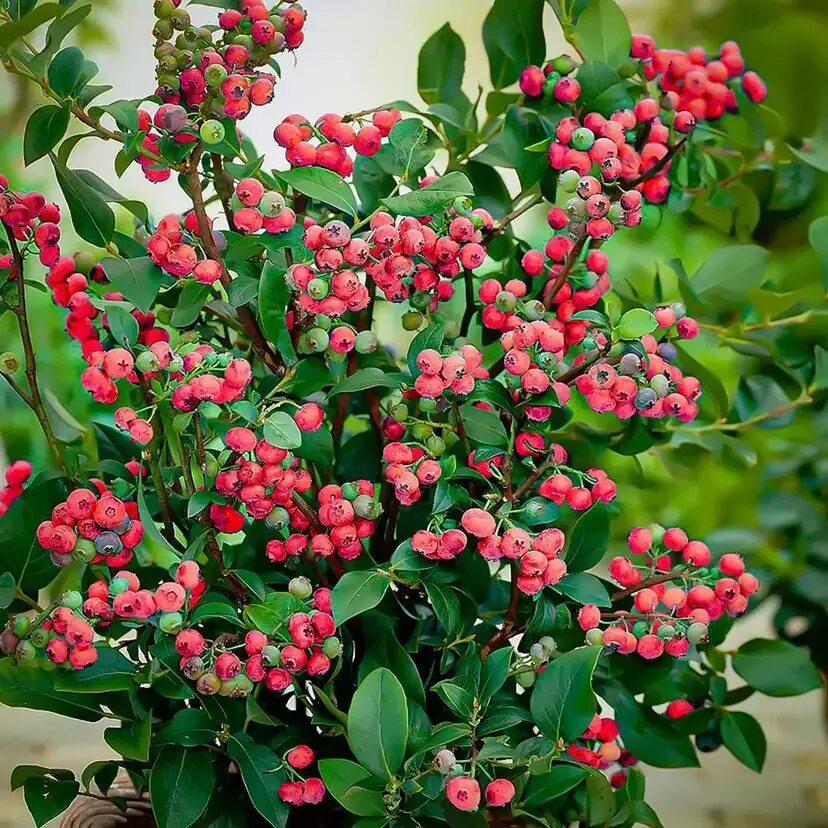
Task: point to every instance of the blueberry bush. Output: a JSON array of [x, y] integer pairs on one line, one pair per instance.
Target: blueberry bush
[[314, 578]]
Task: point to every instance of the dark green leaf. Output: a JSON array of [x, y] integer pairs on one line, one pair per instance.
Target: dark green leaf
[[603, 33], [180, 785], [563, 702], [440, 69], [818, 237], [635, 323], [776, 668], [342, 779], [367, 378], [409, 139], [357, 592], [112, 671], [112, 196], [44, 130], [513, 36], [584, 588], [131, 740], [280, 430], [122, 325], [139, 280], [190, 303], [378, 723], [729, 273], [258, 767], [10, 32], [47, 798], [189, 728], [431, 199], [560, 779], [602, 89], [483, 426], [743, 737], [92, 217], [322, 185], [31, 687], [274, 300], [273, 613], [446, 606], [65, 70], [588, 540], [8, 588]]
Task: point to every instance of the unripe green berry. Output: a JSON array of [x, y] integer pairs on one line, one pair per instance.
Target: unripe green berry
[[697, 633], [146, 362], [506, 301], [277, 518], [640, 628], [666, 632], [462, 205], [537, 652], [427, 405], [209, 684], [564, 64], [445, 762], [350, 491], [594, 637], [322, 320], [526, 678], [212, 132], [272, 204], [421, 431], [271, 656], [317, 340], [300, 588], [550, 646], [318, 289], [412, 320], [436, 445], [582, 139], [72, 599], [170, 622], [367, 508], [332, 647], [366, 342], [21, 625], [237, 687], [40, 638], [26, 651], [399, 412], [568, 181], [118, 585], [9, 363]]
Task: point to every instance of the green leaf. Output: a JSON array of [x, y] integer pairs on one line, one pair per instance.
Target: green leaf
[[8, 588], [139, 280], [603, 33], [588, 540], [430, 337], [458, 699], [820, 379], [483, 426], [602, 89], [711, 383], [122, 325], [342, 779], [367, 378], [383, 649], [10, 32], [257, 765], [584, 588], [125, 114], [563, 702], [776, 668], [242, 290], [56, 34], [189, 728], [22, 773], [317, 446], [427, 200], [112, 196], [163, 553], [378, 723], [274, 300], [112, 671], [446, 606], [190, 303], [494, 673], [646, 734], [215, 605], [357, 592], [31, 687], [92, 217], [273, 613], [818, 237], [65, 70], [440, 68], [538, 511], [743, 737], [322, 185], [44, 130], [20, 553], [409, 139], [635, 323], [131, 740], [513, 37], [47, 798], [728, 273], [66, 426], [548, 786], [280, 430], [180, 785]]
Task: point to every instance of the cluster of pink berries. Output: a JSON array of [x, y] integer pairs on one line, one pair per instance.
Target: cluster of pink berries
[[174, 248], [595, 486], [411, 261], [261, 209], [464, 793], [216, 668], [536, 556], [16, 476], [92, 528], [347, 515], [599, 747], [409, 468], [552, 79], [298, 790], [668, 617], [454, 371], [29, 216], [695, 83], [199, 382], [260, 476], [334, 136], [66, 636], [651, 386]]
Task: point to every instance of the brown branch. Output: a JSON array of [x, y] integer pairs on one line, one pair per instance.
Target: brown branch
[[649, 582], [509, 627], [515, 214]]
